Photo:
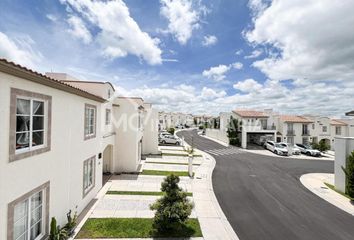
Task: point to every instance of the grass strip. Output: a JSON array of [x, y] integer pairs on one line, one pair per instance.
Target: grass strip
[[134, 228], [174, 163], [165, 173], [145, 193], [340, 192]]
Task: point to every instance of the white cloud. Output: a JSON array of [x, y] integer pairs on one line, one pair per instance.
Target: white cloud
[[255, 54], [237, 65], [209, 93], [79, 30], [183, 17], [218, 73], [209, 40], [313, 39], [51, 17], [119, 34], [239, 52], [248, 85], [19, 50]]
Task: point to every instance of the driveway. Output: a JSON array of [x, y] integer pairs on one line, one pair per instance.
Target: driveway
[[263, 198]]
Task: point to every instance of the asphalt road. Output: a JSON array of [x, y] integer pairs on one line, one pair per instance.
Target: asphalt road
[[263, 198]]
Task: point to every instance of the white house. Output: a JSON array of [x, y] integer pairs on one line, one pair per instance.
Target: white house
[[50, 151], [253, 125], [294, 129], [128, 121], [150, 139], [59, 135]]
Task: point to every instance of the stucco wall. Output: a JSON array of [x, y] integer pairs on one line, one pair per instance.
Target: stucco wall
[[128, 135], [62, 165], [150, 139], [217, 134], [343, 146]]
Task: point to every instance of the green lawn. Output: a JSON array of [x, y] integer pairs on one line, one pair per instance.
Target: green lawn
[[174, 163], [164, 173], [341, 193], [133, 228], [140, 193]]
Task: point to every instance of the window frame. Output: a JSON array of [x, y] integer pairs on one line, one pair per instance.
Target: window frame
[[108, 116], [17, 154], [340, 130], [87, 189], [90, 135], [45, 189]]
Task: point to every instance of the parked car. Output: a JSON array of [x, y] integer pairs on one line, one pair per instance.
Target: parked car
[[276, 148], [308, 150], [295, 150], [170, 139]]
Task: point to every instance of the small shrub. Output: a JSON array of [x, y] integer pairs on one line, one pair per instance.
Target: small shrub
[[173, 209], [349, 172], [171, 131], [57, 233], [70, 226], [201, 127], [234, 141]]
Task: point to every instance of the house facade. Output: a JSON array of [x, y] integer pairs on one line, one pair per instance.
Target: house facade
[[59, 135], [50, 147], [294, 129]]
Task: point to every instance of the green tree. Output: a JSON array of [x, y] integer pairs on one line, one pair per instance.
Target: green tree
[[171, 130], [232, 131], [349, 173], [323, 146], [173, 209]]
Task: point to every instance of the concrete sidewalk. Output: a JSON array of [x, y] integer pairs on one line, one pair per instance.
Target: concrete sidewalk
[[315, 183], [213, 222]]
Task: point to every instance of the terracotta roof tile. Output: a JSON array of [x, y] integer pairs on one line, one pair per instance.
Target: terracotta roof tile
[[250, 113], [294, 119], [338, 122]]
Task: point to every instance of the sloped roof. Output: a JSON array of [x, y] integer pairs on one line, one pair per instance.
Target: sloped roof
[[338, 122], [17, 70], [295, 119], [250, 113]]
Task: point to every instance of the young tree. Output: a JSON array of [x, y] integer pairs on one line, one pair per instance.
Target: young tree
[[171, 130], [349, 172], [232, 131], [173, 209]]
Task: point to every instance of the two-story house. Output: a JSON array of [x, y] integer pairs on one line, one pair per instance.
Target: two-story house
[[50, 151], [254, 124], [295, 129]]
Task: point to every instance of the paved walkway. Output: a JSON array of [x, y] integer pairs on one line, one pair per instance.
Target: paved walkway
[[213, 222], [315, 183]]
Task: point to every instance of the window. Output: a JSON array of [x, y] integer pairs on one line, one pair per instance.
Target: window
[[88, 175], [109, 93], [28, 215], [338, 130], [90, 121], [108, 116], [30, 124], [290, 140], [305, 141], [324, 128]]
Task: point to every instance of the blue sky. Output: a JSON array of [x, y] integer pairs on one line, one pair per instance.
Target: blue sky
[[259, 53]]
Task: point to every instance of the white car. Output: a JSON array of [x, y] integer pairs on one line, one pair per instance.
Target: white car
[[308, 150], [162, 134], [170, 139], [276, 148], [295, 150]]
